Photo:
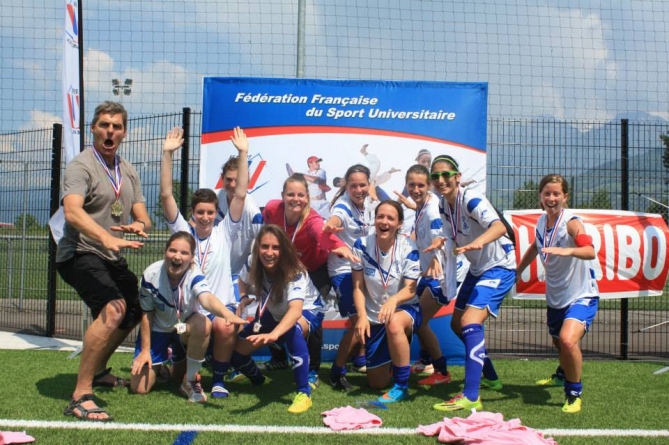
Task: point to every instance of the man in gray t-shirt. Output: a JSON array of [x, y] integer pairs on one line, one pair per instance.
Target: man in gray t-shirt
[[102, 201]]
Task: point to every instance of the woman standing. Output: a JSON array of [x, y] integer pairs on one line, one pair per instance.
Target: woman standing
[[289, 307], [213, 241], [472, 224], [352, 211], [170, 294], [384, 291], [572, 296]]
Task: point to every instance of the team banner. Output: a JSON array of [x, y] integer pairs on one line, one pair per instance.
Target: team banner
[[631, 251], [322, 127], [71, 118]]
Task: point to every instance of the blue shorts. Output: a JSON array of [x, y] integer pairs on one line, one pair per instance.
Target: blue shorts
[[486, 291], [377, 352], [582, 310], [435, 290], [160, 341], [230, 307], [343, 286]]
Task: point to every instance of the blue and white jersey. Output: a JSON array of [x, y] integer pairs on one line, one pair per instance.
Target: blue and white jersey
[[212, 255], [567, 278], [157, 296], [472, 216], [249, 226], [356, 223], [385, 273], [300, 288]]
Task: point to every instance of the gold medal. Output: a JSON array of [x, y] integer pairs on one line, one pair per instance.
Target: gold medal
[[455, 250], [117, 209]]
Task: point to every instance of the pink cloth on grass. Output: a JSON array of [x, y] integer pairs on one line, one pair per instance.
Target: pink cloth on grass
[[485, 428], [349, 418], [7, 437]]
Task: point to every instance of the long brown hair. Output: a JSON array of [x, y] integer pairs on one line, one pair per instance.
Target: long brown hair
[[288, 267], [357, 168]]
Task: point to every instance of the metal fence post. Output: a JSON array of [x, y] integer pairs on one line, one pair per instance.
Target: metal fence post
[[185, 160], [54, 202], [624, 205]]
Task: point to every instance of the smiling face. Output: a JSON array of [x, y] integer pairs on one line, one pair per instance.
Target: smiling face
[[418, 187], [269, 252], [178, 258], [387, 222], [552, 197], [357, 187], [204, 215], [295, 199], [108, 133], [445, 180], [425, 159], [229, 183]]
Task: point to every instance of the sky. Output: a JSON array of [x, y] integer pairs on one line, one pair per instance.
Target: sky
[[582, 60]]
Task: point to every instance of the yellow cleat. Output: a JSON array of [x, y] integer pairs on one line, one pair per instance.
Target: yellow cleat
[[572, 405], [301, 403]]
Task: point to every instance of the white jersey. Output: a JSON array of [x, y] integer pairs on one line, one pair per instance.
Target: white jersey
[[385, 273], [356, 223], [212, 255], [170, 306], [427, 226], [301, 288], [567, 278], [473, 215], [249, 226]]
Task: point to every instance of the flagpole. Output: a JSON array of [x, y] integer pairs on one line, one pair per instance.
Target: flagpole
[[82, 116]]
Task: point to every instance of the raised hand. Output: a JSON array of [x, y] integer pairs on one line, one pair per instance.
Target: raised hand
[[174, 140]]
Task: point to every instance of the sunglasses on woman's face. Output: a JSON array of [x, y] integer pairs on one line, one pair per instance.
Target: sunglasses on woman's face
[[446, 174]]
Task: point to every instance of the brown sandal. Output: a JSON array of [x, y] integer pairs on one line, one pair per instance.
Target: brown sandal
[[118, 382], [83, 412]]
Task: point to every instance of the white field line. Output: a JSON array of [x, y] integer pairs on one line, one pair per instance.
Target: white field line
[[255, 429]]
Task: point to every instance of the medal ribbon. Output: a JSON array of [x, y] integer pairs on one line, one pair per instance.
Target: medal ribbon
[[385, 278], [117, 169], [361, 215], [263, 305], [202, 257], [548, 241], [419, 214], [455, 222], [298, 226], [179, 301]]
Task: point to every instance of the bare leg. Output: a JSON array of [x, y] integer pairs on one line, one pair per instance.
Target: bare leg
[[571, 358], [428, 340]]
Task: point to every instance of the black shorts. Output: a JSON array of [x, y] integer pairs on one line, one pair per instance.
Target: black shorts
[[99, 281]]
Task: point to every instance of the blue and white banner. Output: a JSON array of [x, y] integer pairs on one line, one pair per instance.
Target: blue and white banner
[[384, 125], [71, 118]]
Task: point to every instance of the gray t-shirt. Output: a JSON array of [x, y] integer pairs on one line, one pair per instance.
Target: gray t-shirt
[[85, 176]]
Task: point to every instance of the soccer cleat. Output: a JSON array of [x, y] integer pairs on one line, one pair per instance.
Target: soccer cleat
[[396, 394], [495, 385], [236, 377], [193, 390], [219, 392], [341, 383], [554, 380], [314, 381], [273, 365], [301, 403], [436, 378], [421, 368], [572, 405], [361, 369], [459, 402]]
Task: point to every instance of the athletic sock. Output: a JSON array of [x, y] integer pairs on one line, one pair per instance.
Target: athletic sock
[[440, 365], [298, 352], [488, 368], [425, 357], [219, 369], [359, 360], [401, 375], [573, 389], [193, 366], [475, 350], [336, 372], [246, 365], [560, 373]]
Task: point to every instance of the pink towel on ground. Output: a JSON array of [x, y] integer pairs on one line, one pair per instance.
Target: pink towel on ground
[[485, 428], [349, 418], [7, 437]]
